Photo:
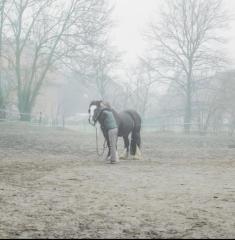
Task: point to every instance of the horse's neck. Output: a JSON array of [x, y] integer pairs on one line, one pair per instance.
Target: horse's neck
[[100, 118]]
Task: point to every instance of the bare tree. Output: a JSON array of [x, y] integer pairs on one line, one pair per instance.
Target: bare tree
[[97, 68], [138, 85], [96, 63], [184, 42], [226, 99], [44, 33], [142, 81], [3, 89], [104, 61], [216, 102]]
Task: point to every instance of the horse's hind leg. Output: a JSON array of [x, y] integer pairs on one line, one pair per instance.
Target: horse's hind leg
[[126, 148], [135, 144], [138, 139]]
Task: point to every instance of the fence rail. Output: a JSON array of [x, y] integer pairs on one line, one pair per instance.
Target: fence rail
[[81, 124], [34, 119]]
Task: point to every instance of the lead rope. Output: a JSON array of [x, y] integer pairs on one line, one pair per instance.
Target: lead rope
[[97, 145]]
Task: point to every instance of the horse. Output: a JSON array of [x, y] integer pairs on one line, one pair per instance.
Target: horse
[[128, 122]]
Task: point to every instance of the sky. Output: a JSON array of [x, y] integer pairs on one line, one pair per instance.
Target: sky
[[131, 18]]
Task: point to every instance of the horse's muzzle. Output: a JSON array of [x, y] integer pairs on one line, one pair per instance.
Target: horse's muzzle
[[91, 123]]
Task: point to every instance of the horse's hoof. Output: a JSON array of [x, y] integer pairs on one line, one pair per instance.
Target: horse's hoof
[[136, 157], [124, 156]]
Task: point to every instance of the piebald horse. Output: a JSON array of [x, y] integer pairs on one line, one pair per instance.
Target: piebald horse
[[129, 123]]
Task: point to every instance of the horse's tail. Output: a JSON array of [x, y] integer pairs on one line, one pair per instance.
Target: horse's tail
[[135, 134]]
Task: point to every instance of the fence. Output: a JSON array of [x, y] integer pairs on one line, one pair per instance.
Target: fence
[[34, 119], [41, 119], [81, 123], [195, 128]]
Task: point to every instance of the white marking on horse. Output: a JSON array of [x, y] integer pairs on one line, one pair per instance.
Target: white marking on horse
[[91, 113]]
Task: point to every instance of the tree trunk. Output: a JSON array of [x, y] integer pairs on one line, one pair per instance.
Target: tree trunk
[[188, 107], [2, 98], [25, 108]]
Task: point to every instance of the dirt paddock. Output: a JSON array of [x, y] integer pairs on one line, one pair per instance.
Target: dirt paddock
[[52, 185]]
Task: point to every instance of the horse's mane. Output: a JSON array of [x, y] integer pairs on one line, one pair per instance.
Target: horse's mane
[[106, 104]]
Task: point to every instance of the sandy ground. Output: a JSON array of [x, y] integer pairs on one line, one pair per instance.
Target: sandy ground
[[52, 185]]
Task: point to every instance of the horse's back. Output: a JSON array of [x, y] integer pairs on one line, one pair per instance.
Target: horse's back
[[128, 121], [135, 116]]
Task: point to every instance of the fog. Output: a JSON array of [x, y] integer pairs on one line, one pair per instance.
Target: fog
[[125, 56], [117, 119], [132, 16]]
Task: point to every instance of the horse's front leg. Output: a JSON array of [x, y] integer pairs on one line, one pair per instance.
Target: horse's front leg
[[126, 152]]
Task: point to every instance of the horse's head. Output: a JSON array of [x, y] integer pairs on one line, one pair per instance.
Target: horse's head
[[95, 109], [92, 111]]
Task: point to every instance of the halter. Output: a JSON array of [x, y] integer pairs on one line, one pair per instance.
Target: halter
[[98, 115]]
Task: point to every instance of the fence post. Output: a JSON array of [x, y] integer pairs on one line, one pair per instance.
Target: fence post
[[3, 113], [40, 118], [63, 121]]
